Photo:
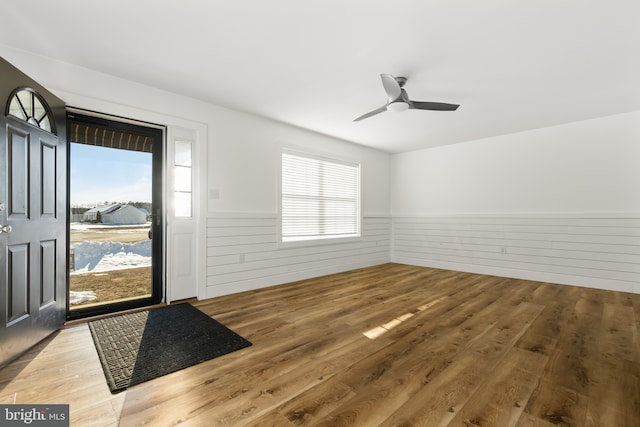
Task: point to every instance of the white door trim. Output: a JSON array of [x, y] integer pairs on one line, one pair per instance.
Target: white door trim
[[177, 232]]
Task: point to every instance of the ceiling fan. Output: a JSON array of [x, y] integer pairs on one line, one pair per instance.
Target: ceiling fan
[[398, 100]]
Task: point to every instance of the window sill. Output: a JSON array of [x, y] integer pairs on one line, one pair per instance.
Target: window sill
[[319, 242]]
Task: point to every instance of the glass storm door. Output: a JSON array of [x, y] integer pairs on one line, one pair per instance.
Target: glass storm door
[[114, 216]]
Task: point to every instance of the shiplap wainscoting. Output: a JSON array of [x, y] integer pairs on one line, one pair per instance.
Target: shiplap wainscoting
[[243, 253], [597, 252]]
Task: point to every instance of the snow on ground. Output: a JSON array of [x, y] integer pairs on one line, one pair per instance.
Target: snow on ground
[[76, 297], [98, 256], [92, 257], [88, 226]]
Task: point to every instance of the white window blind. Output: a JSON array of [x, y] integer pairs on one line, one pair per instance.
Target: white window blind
[[320, 198]]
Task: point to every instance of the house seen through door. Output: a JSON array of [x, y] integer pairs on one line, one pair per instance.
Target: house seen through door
[[115, 201]]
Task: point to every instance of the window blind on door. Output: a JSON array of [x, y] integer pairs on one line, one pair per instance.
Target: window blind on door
[[320, 198], [103, 137]]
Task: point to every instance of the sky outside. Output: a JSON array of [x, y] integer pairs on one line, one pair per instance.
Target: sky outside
[[100, 174]]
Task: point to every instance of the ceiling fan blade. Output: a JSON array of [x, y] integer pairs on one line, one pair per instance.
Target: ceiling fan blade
[[437, 106], [391, 86], [372, 113]]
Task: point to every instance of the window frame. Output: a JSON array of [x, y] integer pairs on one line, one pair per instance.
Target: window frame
[[26, 116], [319, 240], [188, 169]]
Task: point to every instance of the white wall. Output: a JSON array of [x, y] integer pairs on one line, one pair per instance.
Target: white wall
[[244, 163], [244, 178], [240, 178], [584, 167], [560, 204]]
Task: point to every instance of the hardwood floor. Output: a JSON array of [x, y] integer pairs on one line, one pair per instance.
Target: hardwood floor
[[441, 348]]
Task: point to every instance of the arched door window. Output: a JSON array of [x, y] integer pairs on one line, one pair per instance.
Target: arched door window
[[26, 104]]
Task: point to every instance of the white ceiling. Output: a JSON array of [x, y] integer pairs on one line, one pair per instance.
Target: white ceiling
[[512, 65]]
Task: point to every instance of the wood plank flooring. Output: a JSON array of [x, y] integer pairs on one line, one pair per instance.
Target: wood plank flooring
[[391, 345]]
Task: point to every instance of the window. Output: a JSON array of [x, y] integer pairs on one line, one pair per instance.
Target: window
[[320, 198], [182, 191], [28, 105]]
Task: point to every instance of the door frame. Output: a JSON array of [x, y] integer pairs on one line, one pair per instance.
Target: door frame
[[193, 230], [159, 288]]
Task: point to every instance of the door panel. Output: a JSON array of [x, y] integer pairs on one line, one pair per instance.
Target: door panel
[[18, 294], [32, 212], [48, 178], [18, 183], [48, 273]]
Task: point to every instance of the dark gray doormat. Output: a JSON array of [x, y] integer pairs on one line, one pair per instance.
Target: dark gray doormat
[[137, 347]]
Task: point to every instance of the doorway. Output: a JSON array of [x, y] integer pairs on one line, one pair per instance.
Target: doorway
[[115, 222]]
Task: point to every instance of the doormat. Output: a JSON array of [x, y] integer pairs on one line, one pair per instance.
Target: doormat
[[137, 347]]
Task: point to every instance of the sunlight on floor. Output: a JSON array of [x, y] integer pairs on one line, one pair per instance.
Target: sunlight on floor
[[386, 327]]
